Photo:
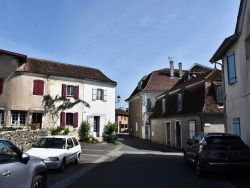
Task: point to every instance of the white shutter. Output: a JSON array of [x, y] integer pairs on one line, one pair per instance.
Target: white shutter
[[93, 94], [105, 95]]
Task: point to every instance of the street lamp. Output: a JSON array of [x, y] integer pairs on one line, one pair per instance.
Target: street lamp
[[118, 99]]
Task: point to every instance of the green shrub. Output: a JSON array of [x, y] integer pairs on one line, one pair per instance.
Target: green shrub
[[84, 131], [109, 133], [60, 130]]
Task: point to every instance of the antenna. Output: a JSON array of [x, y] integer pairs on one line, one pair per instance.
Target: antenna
[[171, 58]]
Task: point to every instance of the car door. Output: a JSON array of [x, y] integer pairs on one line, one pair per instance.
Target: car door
[[70, 150], [195, 146], [13, 172]]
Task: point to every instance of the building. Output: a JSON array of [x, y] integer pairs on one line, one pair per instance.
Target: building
[[234, 52], [122, 119], [142, 100], [24, 81], [193, 105]]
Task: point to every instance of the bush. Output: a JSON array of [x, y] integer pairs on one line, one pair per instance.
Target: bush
[[60, 130], [84, 131], [109, 133]]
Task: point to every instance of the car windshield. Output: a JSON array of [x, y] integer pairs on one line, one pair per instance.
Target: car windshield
[[57, 143], [229, 140]]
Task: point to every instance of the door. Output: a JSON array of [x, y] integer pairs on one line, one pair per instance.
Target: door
[[37, 120], [178, 134], [97, 125], [168, 134]]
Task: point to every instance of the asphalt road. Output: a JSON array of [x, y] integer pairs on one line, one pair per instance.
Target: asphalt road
[[137, 163]]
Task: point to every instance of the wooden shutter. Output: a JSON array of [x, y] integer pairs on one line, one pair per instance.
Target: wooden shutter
[[93, 94], [64, 90], [76, 92], [75, 120], [231, 68], [1, 85], [105, 95], [38, 87], [63, 118]]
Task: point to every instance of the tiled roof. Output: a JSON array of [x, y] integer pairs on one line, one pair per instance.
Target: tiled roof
[[47, 67], [158, 80], [197, 98], [121, 112]]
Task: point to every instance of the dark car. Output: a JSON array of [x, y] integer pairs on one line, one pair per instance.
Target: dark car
[[217, 152], [18, 169]]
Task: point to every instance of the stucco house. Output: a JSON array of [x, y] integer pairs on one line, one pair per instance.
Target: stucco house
[[235, 55], [24, 81], [193, 105], [142, 100], [122, 119]]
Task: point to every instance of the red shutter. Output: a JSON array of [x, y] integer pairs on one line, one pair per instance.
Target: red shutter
[[64, 90], [63, 119], [41, 87], [76, 92], [38, 87], [75, 123], [1, 85]]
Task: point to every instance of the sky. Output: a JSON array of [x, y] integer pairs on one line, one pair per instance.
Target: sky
[[125, 39]]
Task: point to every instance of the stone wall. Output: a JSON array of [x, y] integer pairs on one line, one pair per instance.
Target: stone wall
[[25, 138]]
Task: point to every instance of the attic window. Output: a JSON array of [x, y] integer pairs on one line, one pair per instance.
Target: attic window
[[163, 105], [179, 102], [140, 85]]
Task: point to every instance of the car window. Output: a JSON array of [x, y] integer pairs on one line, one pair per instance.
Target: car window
[[8, 152], [57, 143], [75, 141], [70, 143], [197, 138], [229, 140]]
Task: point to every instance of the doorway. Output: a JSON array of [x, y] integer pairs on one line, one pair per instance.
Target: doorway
[[97, 125], [37, 120], [177, 134]]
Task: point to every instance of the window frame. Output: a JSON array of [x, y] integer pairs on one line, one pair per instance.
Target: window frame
[[1, 84], [192, 128], [236, 126], [1, 117], [38, 87], [19, 119]]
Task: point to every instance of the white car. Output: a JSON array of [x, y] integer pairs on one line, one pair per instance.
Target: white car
[[57, 151]]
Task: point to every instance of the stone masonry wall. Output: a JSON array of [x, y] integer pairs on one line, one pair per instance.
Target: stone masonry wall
[[25, 138]]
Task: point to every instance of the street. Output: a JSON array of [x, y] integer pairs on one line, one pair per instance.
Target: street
[[137, 163]]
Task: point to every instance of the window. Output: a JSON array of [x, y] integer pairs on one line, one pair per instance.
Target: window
[[247, 47], [236, 126], [99, 94], [191, 128], [231, 68], [38, 87], [163, 105], [75, 141], [149, 105], [1, 85], [96, 123], [219, 95], [70, 119], [70, 91], [18, 118], [179, 102], [70, 143], [1, 117]]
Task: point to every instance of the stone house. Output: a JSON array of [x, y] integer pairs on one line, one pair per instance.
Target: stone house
[[142, 100], [193, 105], [24, 81], [122, 119], [234, 52]]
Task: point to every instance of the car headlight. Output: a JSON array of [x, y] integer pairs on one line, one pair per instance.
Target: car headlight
[[52, 159]]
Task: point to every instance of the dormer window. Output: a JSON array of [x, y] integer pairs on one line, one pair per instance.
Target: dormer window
[[179, 102], [219, 96], [163, 105], [140, 85]]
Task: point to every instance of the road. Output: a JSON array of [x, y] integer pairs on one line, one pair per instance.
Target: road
[[137, 163]]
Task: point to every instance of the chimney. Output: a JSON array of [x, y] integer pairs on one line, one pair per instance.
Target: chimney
[[171, 62], [180, 70]]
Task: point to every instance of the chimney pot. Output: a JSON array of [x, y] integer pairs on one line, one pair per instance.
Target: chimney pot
[[180, 70], [171, 62]]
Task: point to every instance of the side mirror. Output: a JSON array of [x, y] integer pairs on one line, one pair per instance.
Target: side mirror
[[25, 158]]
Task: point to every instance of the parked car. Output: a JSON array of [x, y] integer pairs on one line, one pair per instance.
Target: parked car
[[217, 152], [57, 151], [18, 169]]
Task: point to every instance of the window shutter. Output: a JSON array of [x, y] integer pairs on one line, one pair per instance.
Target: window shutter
[[93, 94], [76, 92], [1, 85], [38, 87], [231, 68], [64, 91], [105, 95], [75, 123], [63, 119]]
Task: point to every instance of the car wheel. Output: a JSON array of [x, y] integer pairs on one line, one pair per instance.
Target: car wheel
[[77, 160], [62, 167], [200, 172], [39, 182]]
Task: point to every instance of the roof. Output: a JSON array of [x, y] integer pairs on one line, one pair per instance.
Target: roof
[[229, 41], [121, 112], [22, 57], [158, 80], [52, 68], [197, 97]]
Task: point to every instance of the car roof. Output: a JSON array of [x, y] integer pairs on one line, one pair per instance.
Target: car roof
[[58, 136], [219, 134]]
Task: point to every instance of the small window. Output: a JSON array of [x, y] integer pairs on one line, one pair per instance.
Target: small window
[[75, 141], [192, 127], [1, 117], [231, 68], [149, 105], [38, 87], [18, 118], [179, 102], [69, 118], [163, 105], [70, 91], [236, 126], [219, 96], [70, 143], [99, 94]]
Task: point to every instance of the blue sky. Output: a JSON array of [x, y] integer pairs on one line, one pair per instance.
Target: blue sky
[[125, 39]]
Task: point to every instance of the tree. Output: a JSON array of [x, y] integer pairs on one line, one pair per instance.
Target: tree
[[53, 106]]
